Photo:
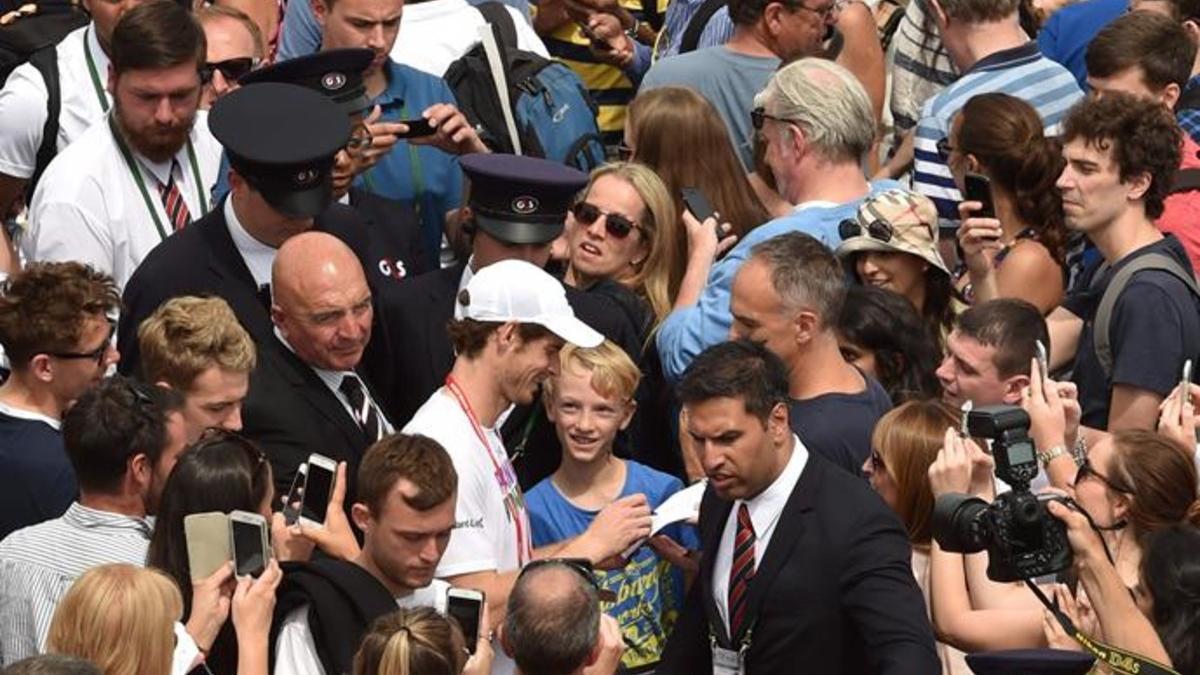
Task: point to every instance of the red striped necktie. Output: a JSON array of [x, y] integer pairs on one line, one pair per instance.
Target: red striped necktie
[[741, 571], [173, 204]]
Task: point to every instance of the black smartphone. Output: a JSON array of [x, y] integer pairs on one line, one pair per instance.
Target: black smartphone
[[697, 203], [596, 40], [416, 128], [465, 605], [978, 188]]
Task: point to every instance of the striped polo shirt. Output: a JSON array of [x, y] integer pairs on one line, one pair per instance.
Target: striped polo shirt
[[38, 564], [1021, 72]]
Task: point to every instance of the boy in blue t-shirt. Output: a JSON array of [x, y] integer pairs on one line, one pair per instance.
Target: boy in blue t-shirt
[[589, 401]]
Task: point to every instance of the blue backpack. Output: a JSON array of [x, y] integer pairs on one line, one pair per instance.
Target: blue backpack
[[554, 113]]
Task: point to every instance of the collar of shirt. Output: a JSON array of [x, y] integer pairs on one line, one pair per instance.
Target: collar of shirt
[[1006, 58], [767, 506], [814, 204], [393, 94], [20, 413], [86, 518], [258, 256], [159, 171], [468, 273], [331, 378]]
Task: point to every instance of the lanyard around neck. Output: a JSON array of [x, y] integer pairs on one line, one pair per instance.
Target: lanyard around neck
[[131, 164], [91, 64]]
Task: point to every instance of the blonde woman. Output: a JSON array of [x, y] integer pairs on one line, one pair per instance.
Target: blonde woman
[[624, 229], [125, 619], [419, 641]]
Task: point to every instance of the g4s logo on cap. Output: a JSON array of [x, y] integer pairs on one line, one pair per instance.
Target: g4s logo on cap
[[333, 81], [525, 205], [306, 178]]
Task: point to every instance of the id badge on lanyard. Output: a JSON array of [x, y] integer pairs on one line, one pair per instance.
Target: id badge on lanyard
[[727, 661]]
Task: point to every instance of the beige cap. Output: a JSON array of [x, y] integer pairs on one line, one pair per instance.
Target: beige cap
[[894, 221]]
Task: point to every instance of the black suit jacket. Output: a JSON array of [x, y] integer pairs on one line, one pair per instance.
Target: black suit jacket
[[393, 238], [833, 594], [201, 259], [290, 414]]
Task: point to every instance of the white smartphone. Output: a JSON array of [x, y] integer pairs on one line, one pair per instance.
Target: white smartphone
[[248, 541], [318, 485], [1043, 358], [466, 606], [1186, 379], [291, 502]]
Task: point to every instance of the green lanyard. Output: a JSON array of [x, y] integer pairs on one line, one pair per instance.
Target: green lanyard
[[414, 163], [91, 64], [137, 177]]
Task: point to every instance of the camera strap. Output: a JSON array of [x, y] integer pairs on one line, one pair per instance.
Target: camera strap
[[1118, 660]]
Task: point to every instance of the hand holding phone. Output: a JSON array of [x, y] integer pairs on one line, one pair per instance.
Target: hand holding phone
[[697, 203], [978, 188], [249, 542], [1043, 358], [318, 485], [466, 606], [417, 128]]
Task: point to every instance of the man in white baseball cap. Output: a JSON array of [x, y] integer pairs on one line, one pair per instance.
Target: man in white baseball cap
[[514, 319]]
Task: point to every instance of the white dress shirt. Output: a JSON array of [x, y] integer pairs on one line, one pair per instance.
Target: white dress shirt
[[24, 97], [88, 206], [765, 510], [258, 256]]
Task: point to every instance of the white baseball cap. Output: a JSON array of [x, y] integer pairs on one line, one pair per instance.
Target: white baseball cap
[[514, 290]]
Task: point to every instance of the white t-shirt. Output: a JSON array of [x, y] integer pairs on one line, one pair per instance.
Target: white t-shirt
[[88, 206], [23, 102], [296, 651], [435, 33], [491, 528]]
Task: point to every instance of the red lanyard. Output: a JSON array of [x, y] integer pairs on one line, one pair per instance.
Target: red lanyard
[[506, 479]]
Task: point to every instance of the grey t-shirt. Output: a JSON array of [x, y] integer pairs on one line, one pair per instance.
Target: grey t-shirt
[[728, 80]]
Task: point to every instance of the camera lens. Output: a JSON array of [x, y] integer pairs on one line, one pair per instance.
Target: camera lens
[[959, 523]]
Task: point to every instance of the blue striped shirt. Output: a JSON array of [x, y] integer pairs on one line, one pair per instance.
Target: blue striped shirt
[[1021, 72], [716, 32]]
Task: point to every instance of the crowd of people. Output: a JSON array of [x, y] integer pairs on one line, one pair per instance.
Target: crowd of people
[[696, 405]]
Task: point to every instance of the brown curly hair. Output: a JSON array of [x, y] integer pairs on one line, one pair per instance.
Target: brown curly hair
[[1005, 135], [43, 308], [1141, 135]]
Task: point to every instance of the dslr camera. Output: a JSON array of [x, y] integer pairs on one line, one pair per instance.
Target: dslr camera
[[1022, 539]]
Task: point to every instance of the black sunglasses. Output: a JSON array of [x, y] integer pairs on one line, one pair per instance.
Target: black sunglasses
[[877, 229], [360, 139], [1087, 469], [944, 148], [616, 224], [97, 354], [581, 566], [231, 69], [759, 116], [214, 436]]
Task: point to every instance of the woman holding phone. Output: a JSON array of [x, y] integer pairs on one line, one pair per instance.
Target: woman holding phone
[[1013, 234]]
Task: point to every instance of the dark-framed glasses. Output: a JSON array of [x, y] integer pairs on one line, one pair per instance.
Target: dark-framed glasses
[[1086, 468], [880, 230], [231, 69], [615, 224], [96, 354], [944, 148], [360, 140], [759, 116]]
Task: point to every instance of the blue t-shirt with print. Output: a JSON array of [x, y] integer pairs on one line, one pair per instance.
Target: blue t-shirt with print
[[649, 590]]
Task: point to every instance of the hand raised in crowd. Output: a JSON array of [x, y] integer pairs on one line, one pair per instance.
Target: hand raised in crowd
[[979, 239], [1047, 412], [617, 527], [1177, 416], [703, 240], [211, 598], [453, 133], [254, 604], [383, 139], [961, 466], [610, 45], [612, 647], [336, 538], [480, 663]]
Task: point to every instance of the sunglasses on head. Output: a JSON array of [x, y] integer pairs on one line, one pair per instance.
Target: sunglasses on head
[[616, 224], [214, 436], [231, 69], [876, 229]]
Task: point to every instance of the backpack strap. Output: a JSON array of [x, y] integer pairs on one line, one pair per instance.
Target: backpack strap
[[46, 62], [1184, 180], [697, 24], [1188, 100], [496, 14], [1100, 326]]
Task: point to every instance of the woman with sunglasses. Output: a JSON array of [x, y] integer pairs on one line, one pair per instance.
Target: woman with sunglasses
[[221, 472], [1017, 251], [891, 243], [905, 442]]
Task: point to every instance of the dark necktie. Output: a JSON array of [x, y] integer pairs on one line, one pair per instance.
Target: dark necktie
[[741, 571], [173, 204], [363, 409]]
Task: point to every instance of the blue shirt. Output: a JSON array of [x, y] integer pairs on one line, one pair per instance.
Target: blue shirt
[[649, 590], [687, 332], [1065, 37], [1021, 72], [421, 175], [38, 483], [301, 34], [1189, 118], [679, 14]]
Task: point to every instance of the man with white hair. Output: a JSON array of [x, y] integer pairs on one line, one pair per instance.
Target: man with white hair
[[817, 122]]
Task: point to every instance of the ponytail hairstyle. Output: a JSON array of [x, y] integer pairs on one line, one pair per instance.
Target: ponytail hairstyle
[[1005, 136], [1160, 475], [1171, 574], [415, 641]]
